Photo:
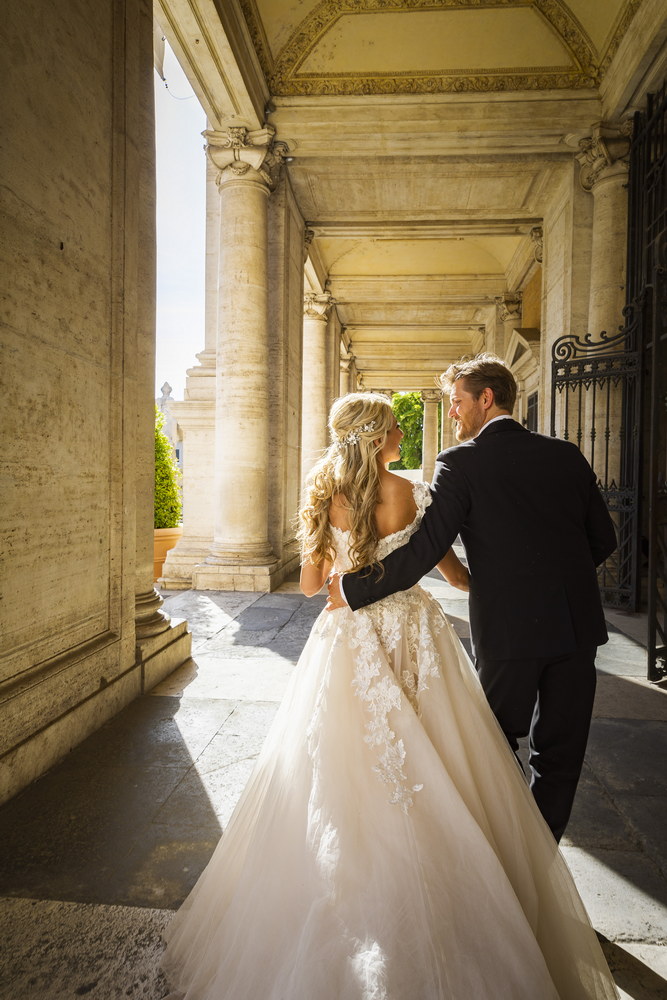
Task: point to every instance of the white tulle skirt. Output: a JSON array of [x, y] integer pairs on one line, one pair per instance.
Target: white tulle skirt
[[386, 846]]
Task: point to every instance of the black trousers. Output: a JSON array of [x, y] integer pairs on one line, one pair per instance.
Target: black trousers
[[550, 700]]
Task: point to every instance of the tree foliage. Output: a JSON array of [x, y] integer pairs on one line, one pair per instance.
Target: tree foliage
[[409, 411], [168, 504]]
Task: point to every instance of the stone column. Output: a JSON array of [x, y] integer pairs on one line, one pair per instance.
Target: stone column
[[160, 646], [316, 394], [431, 398], [604, 172], [447, 427], [508, 317], [241, 556], [195, 416]]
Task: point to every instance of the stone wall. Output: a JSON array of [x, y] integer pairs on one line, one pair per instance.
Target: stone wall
[[78, 349]]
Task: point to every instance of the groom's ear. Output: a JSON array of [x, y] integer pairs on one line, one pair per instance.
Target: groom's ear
[[487, 397]]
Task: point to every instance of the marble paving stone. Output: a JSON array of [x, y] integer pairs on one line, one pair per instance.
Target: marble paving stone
[[623, 891], [621, 655], [640, 970], [241, 640], [60, 950], [198, 795], [631, 697], [204, 616], [595, 819], [167, 865], [629, 755], [261, 619], [74, 838], [216, 675], [163, 731], [647, 816], [280, 600]]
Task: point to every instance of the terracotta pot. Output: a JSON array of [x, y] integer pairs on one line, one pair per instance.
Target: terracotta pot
[[163, 540]]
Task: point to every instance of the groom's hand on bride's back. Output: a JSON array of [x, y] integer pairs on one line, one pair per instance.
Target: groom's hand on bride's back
[[335, 600]]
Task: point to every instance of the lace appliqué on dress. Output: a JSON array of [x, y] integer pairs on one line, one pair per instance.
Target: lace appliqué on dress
[[376, 633]]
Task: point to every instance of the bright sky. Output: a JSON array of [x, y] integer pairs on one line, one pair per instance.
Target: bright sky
[[181, 226]]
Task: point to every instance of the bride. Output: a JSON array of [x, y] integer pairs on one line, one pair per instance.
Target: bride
[[386, 846]]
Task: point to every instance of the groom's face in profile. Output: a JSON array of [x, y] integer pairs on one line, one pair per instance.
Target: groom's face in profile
[[468, 412]]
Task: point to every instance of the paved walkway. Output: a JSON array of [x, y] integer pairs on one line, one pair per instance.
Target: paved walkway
[[99, 852]]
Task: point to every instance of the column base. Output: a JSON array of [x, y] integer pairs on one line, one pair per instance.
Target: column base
[[159, 655], [181, 561], [260, 578]]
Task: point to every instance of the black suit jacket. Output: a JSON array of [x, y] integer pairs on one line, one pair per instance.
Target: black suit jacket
[[534, 526]]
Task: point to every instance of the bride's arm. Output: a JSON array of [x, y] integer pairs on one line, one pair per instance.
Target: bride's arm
[[313, 577], [454, 571]]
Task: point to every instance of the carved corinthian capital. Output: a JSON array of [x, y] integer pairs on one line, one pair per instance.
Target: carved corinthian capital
[[607, 148], [509, 306], [431, 395], [317, 306], [237, 152]]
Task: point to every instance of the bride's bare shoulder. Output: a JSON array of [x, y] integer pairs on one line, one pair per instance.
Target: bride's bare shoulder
[[397, 506]]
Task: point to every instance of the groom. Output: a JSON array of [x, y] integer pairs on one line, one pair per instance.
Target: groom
[[534, 527]]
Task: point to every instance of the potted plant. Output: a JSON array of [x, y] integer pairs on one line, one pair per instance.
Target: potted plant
[[168, 504]]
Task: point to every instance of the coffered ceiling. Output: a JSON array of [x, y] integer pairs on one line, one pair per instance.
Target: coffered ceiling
[[335, 47]]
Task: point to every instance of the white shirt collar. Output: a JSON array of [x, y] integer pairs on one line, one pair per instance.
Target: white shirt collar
[[503, 416]]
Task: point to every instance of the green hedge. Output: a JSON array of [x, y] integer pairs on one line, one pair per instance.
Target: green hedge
[[168, 505]]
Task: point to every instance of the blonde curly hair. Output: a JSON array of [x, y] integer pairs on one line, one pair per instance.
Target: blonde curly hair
[[359, 424]]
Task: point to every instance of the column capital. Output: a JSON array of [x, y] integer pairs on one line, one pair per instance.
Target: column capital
[[509, 306], [317, 306], [604, 153], [237, 152], [431, 395]]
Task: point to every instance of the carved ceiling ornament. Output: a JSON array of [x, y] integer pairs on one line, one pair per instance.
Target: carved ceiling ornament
[[284, 79], [235, 151], [509, 306], [609, 145], [537, 236]]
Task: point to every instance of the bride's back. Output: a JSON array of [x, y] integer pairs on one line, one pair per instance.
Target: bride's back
[[395, 510]]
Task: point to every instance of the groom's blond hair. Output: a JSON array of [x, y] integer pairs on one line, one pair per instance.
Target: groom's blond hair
[[484, 371]]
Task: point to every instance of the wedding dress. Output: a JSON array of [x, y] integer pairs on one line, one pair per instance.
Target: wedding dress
[[386, 846]]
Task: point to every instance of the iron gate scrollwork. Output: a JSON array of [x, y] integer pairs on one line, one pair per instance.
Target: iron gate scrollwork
[[596, 403]]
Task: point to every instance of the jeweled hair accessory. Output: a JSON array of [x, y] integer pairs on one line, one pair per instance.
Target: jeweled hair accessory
[[352, 437]]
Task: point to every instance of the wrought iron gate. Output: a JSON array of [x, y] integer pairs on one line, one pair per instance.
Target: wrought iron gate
[[610, 394], [596, 402]]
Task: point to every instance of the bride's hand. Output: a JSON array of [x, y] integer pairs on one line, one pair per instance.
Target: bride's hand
[[335, 600]]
